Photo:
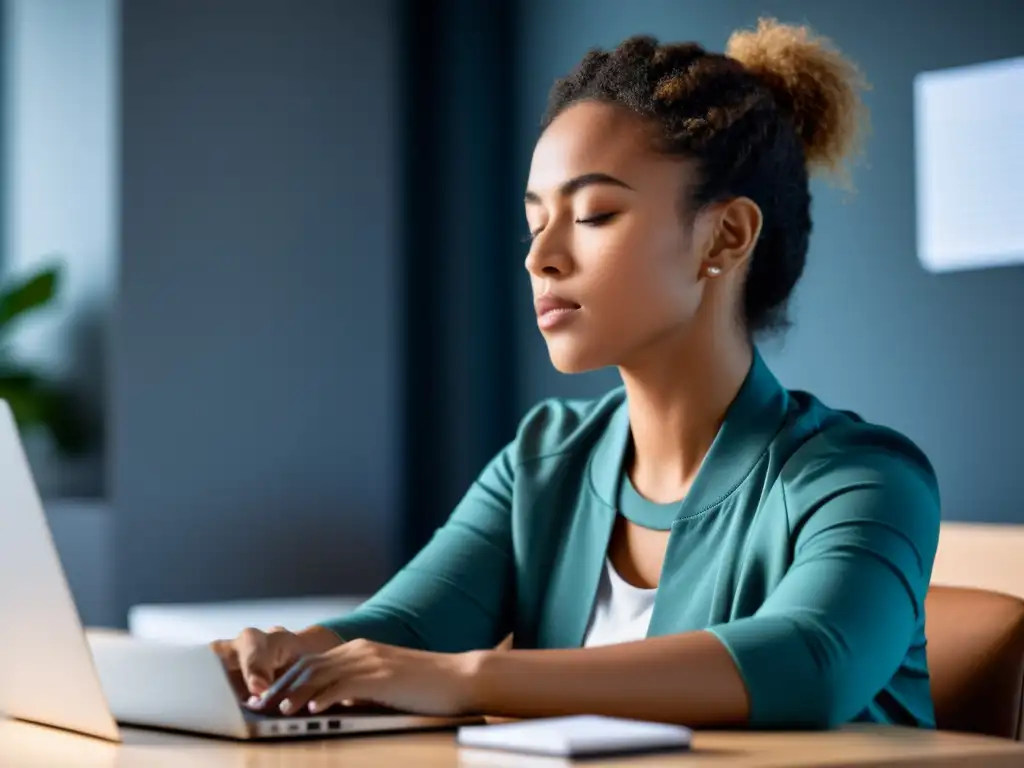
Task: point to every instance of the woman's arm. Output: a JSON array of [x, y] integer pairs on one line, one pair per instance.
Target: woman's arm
[[689, 679], [821, 647]]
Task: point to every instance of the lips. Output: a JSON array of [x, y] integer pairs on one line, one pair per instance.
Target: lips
[[554, 311], [549, 303]]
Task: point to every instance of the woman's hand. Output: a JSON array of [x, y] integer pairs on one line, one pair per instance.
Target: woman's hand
[[255, 659], [360, 670]]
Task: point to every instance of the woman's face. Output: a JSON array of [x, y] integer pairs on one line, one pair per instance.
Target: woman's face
[[613, 267]]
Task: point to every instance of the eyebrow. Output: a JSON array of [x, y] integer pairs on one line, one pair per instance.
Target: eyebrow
[[574, 185]]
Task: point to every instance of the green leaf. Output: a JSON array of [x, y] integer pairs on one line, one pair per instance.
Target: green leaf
[[27, 294], [36, 402]]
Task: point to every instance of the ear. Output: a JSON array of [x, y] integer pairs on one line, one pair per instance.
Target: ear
[[736, 227]]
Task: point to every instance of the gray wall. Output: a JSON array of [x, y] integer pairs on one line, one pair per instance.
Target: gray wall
[[254, 354], [939, 357]]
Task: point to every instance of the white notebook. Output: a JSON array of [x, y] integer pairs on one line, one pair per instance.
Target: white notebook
[[577, 736]]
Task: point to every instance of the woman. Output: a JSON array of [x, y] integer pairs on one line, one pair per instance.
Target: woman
[[700, 546]]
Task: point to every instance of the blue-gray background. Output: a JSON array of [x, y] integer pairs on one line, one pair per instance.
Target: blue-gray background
[[319, 326]]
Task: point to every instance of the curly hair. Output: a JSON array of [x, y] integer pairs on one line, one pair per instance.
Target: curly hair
[[779, 104]]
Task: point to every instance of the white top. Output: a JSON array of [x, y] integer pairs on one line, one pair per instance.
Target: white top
[[622, 612]]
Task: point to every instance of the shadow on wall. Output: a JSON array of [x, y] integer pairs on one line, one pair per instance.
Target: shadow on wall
[[78, 474], [267, 543]]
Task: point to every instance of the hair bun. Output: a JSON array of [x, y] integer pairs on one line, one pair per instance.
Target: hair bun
[[812, 82]]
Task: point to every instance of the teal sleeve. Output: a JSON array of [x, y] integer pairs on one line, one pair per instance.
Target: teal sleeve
[[456, 594], [839, 624]]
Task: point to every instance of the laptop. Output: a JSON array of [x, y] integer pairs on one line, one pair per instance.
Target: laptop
[[53, 672]]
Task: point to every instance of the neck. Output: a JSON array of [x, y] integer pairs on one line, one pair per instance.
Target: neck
[[678, 391]]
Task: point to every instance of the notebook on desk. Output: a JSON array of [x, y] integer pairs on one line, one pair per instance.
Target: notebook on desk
[[54, 673], [574, 737]]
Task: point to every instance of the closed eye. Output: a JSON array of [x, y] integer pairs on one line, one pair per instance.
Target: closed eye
[[590, 221], [598, 220]]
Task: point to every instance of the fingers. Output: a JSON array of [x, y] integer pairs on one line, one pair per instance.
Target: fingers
[[309, 689], [238, 686], [273, 695], [225, 650], [254, 660], [312, 679], [305, 684], [339, 693], [255, 657], [293, 690]]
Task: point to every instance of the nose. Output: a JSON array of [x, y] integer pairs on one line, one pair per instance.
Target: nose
[[548, 257]]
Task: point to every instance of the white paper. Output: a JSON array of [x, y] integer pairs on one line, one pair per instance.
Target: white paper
[[969, 165]]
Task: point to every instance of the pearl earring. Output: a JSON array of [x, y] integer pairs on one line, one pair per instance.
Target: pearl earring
[[713, 270]]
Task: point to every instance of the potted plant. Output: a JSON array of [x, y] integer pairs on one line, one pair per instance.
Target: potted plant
[[37, 402]]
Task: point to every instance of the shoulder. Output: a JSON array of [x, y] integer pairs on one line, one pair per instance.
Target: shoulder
[[841, 448], [867, 469], [558, 426], [552, 429]]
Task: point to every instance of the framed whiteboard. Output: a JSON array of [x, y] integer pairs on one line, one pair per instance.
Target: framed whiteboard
[[969, 166]]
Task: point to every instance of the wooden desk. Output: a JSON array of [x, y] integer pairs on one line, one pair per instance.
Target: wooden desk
[[30, 746]]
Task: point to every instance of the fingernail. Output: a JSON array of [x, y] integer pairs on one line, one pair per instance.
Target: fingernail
[[286, 707], [313, 706], [255, 701]]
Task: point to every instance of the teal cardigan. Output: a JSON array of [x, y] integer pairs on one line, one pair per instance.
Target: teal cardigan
[[805, 545]]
